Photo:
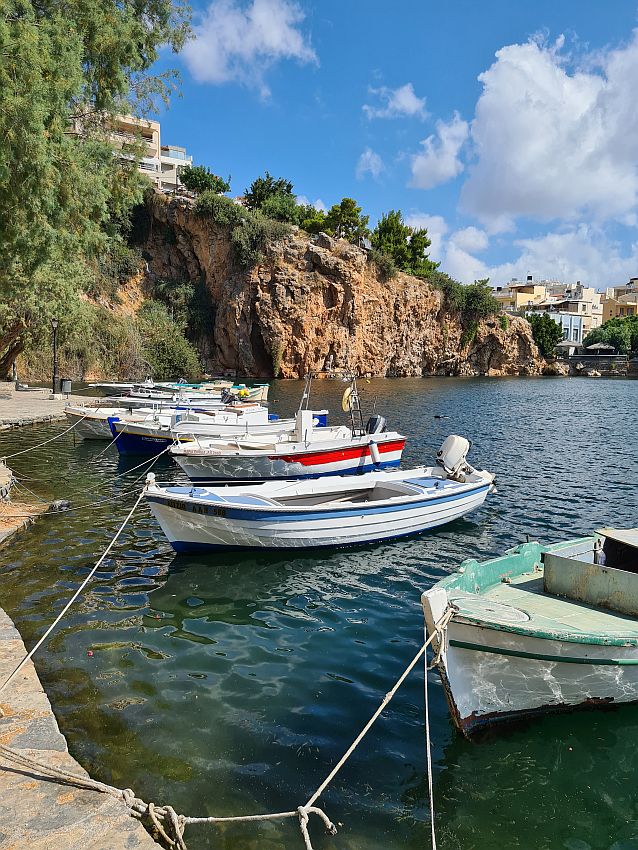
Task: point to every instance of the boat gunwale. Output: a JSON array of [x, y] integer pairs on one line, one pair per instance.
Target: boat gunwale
[[159, 495]]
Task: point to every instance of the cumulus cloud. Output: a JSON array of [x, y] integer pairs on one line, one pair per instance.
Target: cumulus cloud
[[306, 202], [369, 163], [396, 103], [436, 227], [439, 161], [582, 251], [237, 42], [553, 142]]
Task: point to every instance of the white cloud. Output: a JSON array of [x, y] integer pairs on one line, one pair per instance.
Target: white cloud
[[236, 42], [583, 252], [369, 163], [306, 202], [439, 160], [471, 239], [436, 227], [555, 143], [396, 103]]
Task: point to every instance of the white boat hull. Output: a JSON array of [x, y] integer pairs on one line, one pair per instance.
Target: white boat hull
[[198, 527], [491, 675], [342, 458]]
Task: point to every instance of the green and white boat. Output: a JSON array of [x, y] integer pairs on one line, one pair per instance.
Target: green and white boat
[[540, 629]]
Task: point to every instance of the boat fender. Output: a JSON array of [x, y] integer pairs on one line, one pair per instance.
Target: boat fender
[[375, 454], [347, 400]]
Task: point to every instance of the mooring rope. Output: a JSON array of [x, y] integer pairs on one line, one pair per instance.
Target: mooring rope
[[168, 826], [46, 442], [79, 590], [428, 745], [164, 822]]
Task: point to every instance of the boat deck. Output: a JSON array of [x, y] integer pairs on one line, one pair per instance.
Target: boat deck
[[522, 605]]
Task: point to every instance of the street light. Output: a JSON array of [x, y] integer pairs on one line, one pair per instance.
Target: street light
[[56, 378]]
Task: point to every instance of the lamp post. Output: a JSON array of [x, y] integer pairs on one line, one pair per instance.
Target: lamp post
[[56, 377]]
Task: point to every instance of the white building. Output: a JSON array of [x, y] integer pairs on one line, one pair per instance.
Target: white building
[[172, 157]]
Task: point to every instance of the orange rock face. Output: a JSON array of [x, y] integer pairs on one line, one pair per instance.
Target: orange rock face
[[317, 302]]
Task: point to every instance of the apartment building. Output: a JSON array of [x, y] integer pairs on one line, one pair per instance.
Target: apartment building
[[562, 301], [159, 162], [621, 301]]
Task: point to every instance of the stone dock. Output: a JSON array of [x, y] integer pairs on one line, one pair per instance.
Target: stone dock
[[37, 813], [28, 407]]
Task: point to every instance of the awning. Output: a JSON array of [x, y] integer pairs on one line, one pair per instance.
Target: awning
[[628, 536]]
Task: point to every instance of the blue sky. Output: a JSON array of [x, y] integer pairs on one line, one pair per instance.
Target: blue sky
[[508, 128]]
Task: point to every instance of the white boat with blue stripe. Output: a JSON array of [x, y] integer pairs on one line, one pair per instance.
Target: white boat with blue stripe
[[332, 511]]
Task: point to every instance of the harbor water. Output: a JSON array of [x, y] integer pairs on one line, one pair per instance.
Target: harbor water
[[230, 684]]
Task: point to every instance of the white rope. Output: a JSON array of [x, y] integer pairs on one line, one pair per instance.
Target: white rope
[[88, 578], [442, 623], [46, 442], [428, 744]]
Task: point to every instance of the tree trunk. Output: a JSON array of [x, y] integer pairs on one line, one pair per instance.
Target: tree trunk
[[11, 345]]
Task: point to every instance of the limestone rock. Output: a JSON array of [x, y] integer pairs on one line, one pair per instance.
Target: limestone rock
[[314, 301]]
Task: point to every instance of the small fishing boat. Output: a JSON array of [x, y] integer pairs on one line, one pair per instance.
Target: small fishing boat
[[332, 511], [541, 629], [306, 452], [152, 436]]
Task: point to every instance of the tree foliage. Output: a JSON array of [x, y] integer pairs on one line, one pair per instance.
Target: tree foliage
[[346, 220], [406, 245], [546, 332], [65, 69], [263, 188], [198, 179], [622, 333], [167, 351]]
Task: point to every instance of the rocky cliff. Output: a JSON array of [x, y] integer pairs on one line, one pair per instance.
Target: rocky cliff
[[316, 302]]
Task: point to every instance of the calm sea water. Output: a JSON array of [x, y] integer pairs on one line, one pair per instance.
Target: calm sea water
[[230, 684]]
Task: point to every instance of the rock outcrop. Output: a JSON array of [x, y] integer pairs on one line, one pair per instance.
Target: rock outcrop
[[316, 302]]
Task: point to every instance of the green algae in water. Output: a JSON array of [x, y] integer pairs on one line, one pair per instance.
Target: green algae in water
[[231, 684]]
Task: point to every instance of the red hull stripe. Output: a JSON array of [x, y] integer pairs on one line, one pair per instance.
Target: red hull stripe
[[332, 456]]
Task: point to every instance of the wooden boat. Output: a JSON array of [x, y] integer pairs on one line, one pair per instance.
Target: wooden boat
[[540, 629], [306, 452], [332, 511]]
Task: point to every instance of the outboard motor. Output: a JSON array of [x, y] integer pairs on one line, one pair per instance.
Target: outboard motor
[[452, 457], [228, 397], [376, 425]]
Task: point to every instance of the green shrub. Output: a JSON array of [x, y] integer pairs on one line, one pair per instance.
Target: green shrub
[[199, 179], [219, 209], [469, 334], [384, 264], [621, 332], [250, 239], [165, 348], [282, 207], [504, 322], [263, 188]]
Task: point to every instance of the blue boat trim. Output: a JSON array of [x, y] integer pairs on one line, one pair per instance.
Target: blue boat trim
[[224, 508], [351, 470]]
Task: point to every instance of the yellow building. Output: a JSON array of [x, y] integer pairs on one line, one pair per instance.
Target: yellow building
[[519, 296], [619, 308]]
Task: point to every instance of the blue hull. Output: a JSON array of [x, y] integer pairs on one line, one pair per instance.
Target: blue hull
[[135, 444]]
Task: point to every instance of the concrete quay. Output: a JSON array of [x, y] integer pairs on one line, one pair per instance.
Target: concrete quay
[[28, 407], [38, 813]]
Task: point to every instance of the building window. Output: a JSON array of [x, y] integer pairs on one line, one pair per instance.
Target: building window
[[565, 333], [574, 334]]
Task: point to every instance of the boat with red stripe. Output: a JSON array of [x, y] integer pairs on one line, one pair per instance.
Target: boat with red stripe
[[307, 452]]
